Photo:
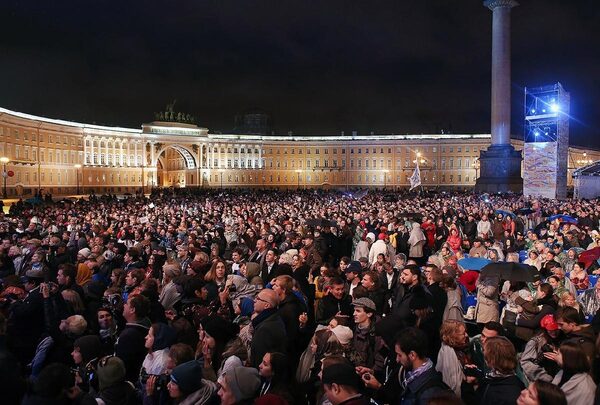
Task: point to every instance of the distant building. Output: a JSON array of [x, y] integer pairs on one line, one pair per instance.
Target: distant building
[[44, 152]]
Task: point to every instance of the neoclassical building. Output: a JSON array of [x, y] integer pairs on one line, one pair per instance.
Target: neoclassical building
[[64, 158]]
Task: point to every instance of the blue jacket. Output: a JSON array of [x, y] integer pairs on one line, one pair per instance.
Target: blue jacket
[[423, 388]]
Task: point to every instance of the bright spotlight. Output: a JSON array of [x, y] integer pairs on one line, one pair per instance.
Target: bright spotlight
[[544, 110], [536, 133], [533, 110], [554, 107]]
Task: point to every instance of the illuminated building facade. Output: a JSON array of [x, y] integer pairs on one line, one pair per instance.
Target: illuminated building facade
[[62, 157]]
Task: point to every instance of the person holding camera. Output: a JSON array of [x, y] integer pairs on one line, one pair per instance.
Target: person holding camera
[[86, 352], [535, 365], [159, 339]]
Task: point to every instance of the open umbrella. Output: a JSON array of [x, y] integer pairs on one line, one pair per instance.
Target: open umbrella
[[563, 218], [473, 263], [505, 213], [510, 271], [589, 256]]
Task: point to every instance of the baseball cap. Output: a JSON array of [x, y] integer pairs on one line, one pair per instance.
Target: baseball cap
[[549, 323], [353, 267]]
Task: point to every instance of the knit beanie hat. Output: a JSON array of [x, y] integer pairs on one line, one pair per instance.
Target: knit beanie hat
[[111, 370], [188, 376], [343, 334], [89, 346], [243, 382], [164, 336]]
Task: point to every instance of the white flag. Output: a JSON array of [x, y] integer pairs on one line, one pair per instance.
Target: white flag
[[415, 179]]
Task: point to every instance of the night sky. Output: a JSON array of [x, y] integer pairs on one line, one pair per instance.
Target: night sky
[[317, 67]]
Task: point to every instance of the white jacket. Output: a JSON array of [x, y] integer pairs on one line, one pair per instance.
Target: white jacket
[[377, 248]]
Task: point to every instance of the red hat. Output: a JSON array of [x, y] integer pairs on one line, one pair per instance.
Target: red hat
[[382, 236], [549, 323]]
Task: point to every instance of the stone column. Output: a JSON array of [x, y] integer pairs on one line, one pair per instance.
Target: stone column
[[500, 163], [500, 69]]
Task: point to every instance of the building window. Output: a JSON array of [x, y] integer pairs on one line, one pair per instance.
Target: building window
[[359, 150], [434, 149]]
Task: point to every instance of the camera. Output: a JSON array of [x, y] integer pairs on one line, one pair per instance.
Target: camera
[[161, 380], [473, 372], [546, 348], [112, 301]]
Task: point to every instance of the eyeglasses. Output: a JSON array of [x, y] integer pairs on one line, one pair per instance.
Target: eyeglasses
[[257, 298]]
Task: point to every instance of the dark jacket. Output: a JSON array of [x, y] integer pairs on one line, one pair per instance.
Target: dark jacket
[[329, 306], [420, 390], [401, 309], [290, 310], [500, 390], [26, 325], [130, 347], [269, 336], [438, 303]]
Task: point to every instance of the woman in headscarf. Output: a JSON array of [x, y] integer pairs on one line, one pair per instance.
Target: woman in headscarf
[[416, 241]]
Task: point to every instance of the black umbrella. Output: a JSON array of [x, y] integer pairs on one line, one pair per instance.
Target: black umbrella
[[525, 211], [510, 271], [321, 222]]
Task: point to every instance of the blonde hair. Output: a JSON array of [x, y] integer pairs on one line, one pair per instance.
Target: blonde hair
[[73, 299], [448, 332]]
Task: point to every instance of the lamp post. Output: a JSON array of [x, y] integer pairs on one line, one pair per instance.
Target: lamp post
[[298, 171], [77, 167], [4, 161]]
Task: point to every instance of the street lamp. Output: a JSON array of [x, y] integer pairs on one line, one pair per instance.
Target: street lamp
[[4, 161], [298, 171], [77, 167]]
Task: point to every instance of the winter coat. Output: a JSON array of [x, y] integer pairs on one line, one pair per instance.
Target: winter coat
[[500, 390], [420, 390], [130, 347], [416, 241], [579, 389], [377, 248], [487, 300], [530, 359], [329, 306], [362, 250], [453, 309], [269, 336]]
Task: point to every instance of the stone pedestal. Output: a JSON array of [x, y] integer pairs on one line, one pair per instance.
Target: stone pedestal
[[500, 170]]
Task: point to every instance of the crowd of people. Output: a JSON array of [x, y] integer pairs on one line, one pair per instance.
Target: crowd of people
[[299, 297]]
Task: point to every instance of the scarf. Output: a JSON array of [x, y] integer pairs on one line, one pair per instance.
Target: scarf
[[412, 375], [262, 316]]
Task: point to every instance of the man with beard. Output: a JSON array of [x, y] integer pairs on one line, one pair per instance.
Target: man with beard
[[410, 286], [415, 373]]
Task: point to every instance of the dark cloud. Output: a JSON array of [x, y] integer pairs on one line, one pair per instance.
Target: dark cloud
[[315, 66]]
